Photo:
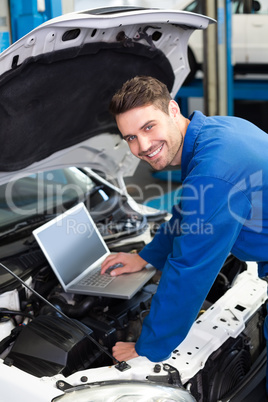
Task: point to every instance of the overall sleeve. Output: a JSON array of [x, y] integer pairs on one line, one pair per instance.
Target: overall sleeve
[[157, 251], [212, 213]]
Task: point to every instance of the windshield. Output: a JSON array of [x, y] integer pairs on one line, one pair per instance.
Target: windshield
[[195, 7], [42, 193]]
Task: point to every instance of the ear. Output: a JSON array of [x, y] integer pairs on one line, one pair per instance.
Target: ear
[[173, 108]]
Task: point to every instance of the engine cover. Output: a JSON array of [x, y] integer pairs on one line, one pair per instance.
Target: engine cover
[[51, 345]]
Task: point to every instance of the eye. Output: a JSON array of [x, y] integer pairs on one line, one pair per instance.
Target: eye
[[131, 138], [149, 127]]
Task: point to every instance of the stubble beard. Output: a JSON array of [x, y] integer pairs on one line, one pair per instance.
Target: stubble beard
[[158, 164]]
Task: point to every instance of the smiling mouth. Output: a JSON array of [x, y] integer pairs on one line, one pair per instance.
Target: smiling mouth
[[155, 152]]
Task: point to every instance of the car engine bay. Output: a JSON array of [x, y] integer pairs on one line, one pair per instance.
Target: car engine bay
[[47, 333], [37, 338]]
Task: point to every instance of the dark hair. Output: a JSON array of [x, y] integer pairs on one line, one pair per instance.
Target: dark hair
[[140, 91]]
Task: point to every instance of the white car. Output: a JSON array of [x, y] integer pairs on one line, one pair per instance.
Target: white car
[[249, 36], [60, 147]]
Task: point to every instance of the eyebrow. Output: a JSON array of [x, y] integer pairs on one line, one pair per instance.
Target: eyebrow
[[141, 128], [146, 124]]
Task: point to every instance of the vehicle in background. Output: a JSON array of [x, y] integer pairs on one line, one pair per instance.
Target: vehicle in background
[[249, 37]]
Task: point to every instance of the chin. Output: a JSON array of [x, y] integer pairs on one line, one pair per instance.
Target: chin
[[157, 166]]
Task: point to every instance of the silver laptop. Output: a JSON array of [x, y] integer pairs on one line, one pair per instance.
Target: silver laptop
[[75, 250]]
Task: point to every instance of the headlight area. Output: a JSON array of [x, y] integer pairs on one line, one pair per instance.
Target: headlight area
[[123, 391]]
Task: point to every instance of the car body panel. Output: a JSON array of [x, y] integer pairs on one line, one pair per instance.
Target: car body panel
[[207, 334], [57, 81]]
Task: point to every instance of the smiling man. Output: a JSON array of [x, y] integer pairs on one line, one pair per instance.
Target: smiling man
[[224, 169], [159, 139]]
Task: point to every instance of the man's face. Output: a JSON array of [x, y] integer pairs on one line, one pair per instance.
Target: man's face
[[152, 135]]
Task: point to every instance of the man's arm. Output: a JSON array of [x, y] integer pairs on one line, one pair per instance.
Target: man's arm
[[208, 233], [200, 245], [155, 253], [130, 263], [124, 351]]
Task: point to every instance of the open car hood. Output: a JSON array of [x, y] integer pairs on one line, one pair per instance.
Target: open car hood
[[56, 83]]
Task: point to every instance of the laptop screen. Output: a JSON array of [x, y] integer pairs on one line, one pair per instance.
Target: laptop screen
[[71, 243]]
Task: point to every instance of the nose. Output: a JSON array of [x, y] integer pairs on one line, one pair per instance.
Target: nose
[[144, 144]]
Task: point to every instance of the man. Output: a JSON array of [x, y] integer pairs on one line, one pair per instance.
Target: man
[[224, 165]]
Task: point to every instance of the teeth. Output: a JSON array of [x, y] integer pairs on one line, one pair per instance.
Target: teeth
[[155, 152]]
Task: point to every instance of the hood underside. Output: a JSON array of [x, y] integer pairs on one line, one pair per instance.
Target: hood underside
[[56, 83]]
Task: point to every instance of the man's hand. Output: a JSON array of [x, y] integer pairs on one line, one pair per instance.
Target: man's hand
[[130, 262], [124, 351]]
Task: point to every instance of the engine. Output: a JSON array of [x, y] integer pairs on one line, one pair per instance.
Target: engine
[[70, 333]]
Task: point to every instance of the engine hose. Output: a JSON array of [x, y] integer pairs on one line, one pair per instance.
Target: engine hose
[[44, 288], [77, 311]]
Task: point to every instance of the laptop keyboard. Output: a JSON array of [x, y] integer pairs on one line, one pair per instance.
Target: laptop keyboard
[[97, 280]]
